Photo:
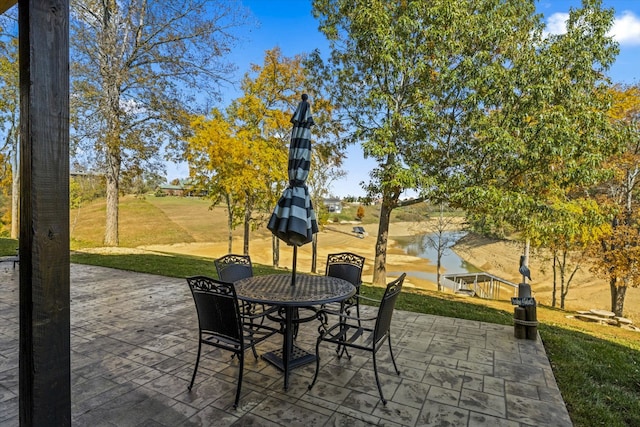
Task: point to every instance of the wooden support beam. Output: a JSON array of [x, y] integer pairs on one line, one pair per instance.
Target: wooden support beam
[[45, 367]]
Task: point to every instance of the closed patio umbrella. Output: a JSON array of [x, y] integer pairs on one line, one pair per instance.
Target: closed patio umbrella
[[293, 220]]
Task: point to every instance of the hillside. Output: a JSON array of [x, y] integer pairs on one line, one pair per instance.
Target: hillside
[[190, 226]]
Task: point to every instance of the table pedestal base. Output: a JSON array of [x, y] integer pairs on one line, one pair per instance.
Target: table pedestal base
[[299, 357]]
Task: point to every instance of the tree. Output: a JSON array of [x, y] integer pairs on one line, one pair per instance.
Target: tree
[[544, 133], [618, 253], [9, 115], [221, 165], [569, 227], [241, 156], [261, 119], [137, 68], [263, 116], [441, 239], [411, 78]]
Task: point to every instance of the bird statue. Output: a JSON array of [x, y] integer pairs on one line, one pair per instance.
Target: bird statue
[[524, 270]]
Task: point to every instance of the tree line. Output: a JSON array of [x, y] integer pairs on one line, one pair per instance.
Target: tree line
[[471, 104]]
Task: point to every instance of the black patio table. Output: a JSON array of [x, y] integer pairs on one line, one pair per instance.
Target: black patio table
[[308, 290]]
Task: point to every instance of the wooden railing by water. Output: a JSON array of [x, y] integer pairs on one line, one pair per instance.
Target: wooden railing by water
[[482, 284]]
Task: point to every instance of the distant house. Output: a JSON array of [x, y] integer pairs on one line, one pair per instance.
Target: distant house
[[333, 205], [83, 173], [184, 188], [171, 190]]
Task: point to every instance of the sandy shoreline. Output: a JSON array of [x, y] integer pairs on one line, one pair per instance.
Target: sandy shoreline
[[334, 238], [500, 258]]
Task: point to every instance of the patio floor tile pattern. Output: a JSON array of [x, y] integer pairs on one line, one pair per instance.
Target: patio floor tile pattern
[[133, 348]]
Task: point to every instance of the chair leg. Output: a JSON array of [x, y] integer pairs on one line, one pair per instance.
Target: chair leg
[[253, 348], [392, 358], [195, 369], [375, 371], [241, 367], [315, 376], [340, 349]]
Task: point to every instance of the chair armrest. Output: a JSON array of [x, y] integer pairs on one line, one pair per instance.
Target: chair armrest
[[262, 313], [342, 315], [362, 297]]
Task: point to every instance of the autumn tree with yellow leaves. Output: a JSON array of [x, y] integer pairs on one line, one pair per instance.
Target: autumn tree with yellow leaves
[[568, 228], [617, 254], [223, 166], [240, 156]]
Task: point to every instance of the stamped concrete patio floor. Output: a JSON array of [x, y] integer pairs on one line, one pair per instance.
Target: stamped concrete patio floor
[[133, 348]]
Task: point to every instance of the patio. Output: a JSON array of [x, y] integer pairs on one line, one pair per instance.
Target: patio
[[133, 343]]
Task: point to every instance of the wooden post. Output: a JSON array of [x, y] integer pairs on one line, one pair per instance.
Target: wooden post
[[45, 368], [519, 330], [525, 319], [532, 320]]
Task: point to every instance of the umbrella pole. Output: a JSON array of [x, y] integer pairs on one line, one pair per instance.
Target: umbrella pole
[[295, 261]]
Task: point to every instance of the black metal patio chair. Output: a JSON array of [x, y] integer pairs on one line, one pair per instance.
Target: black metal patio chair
[[221, 325], [347, 266], [368, 334], [344, 265], [233, 267]]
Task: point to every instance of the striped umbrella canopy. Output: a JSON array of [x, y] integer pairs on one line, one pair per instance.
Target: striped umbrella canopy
[[293, 219]]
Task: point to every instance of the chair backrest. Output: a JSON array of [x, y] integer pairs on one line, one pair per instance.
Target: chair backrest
[[347, 266], [217, 308], [232, 267], [387, 305]]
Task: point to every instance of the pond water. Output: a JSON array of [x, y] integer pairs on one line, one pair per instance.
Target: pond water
[[421, 246]]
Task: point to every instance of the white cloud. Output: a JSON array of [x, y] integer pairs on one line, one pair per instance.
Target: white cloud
[[625, 30], [557, 23]]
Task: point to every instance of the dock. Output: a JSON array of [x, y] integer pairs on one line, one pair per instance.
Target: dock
[[483, 285]]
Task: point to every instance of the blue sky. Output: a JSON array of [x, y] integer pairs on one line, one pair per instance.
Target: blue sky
[[290, 25]]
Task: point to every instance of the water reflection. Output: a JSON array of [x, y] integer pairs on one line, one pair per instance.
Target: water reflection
[[423, 246]]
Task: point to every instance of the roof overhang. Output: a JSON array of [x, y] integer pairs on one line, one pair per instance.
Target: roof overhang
[[6, 5]]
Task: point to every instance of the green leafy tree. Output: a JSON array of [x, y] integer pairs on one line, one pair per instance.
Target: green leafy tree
[[137, 67], [412, 79], [544, 134]]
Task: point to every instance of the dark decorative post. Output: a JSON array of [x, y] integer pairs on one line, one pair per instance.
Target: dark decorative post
[[45, 368]]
